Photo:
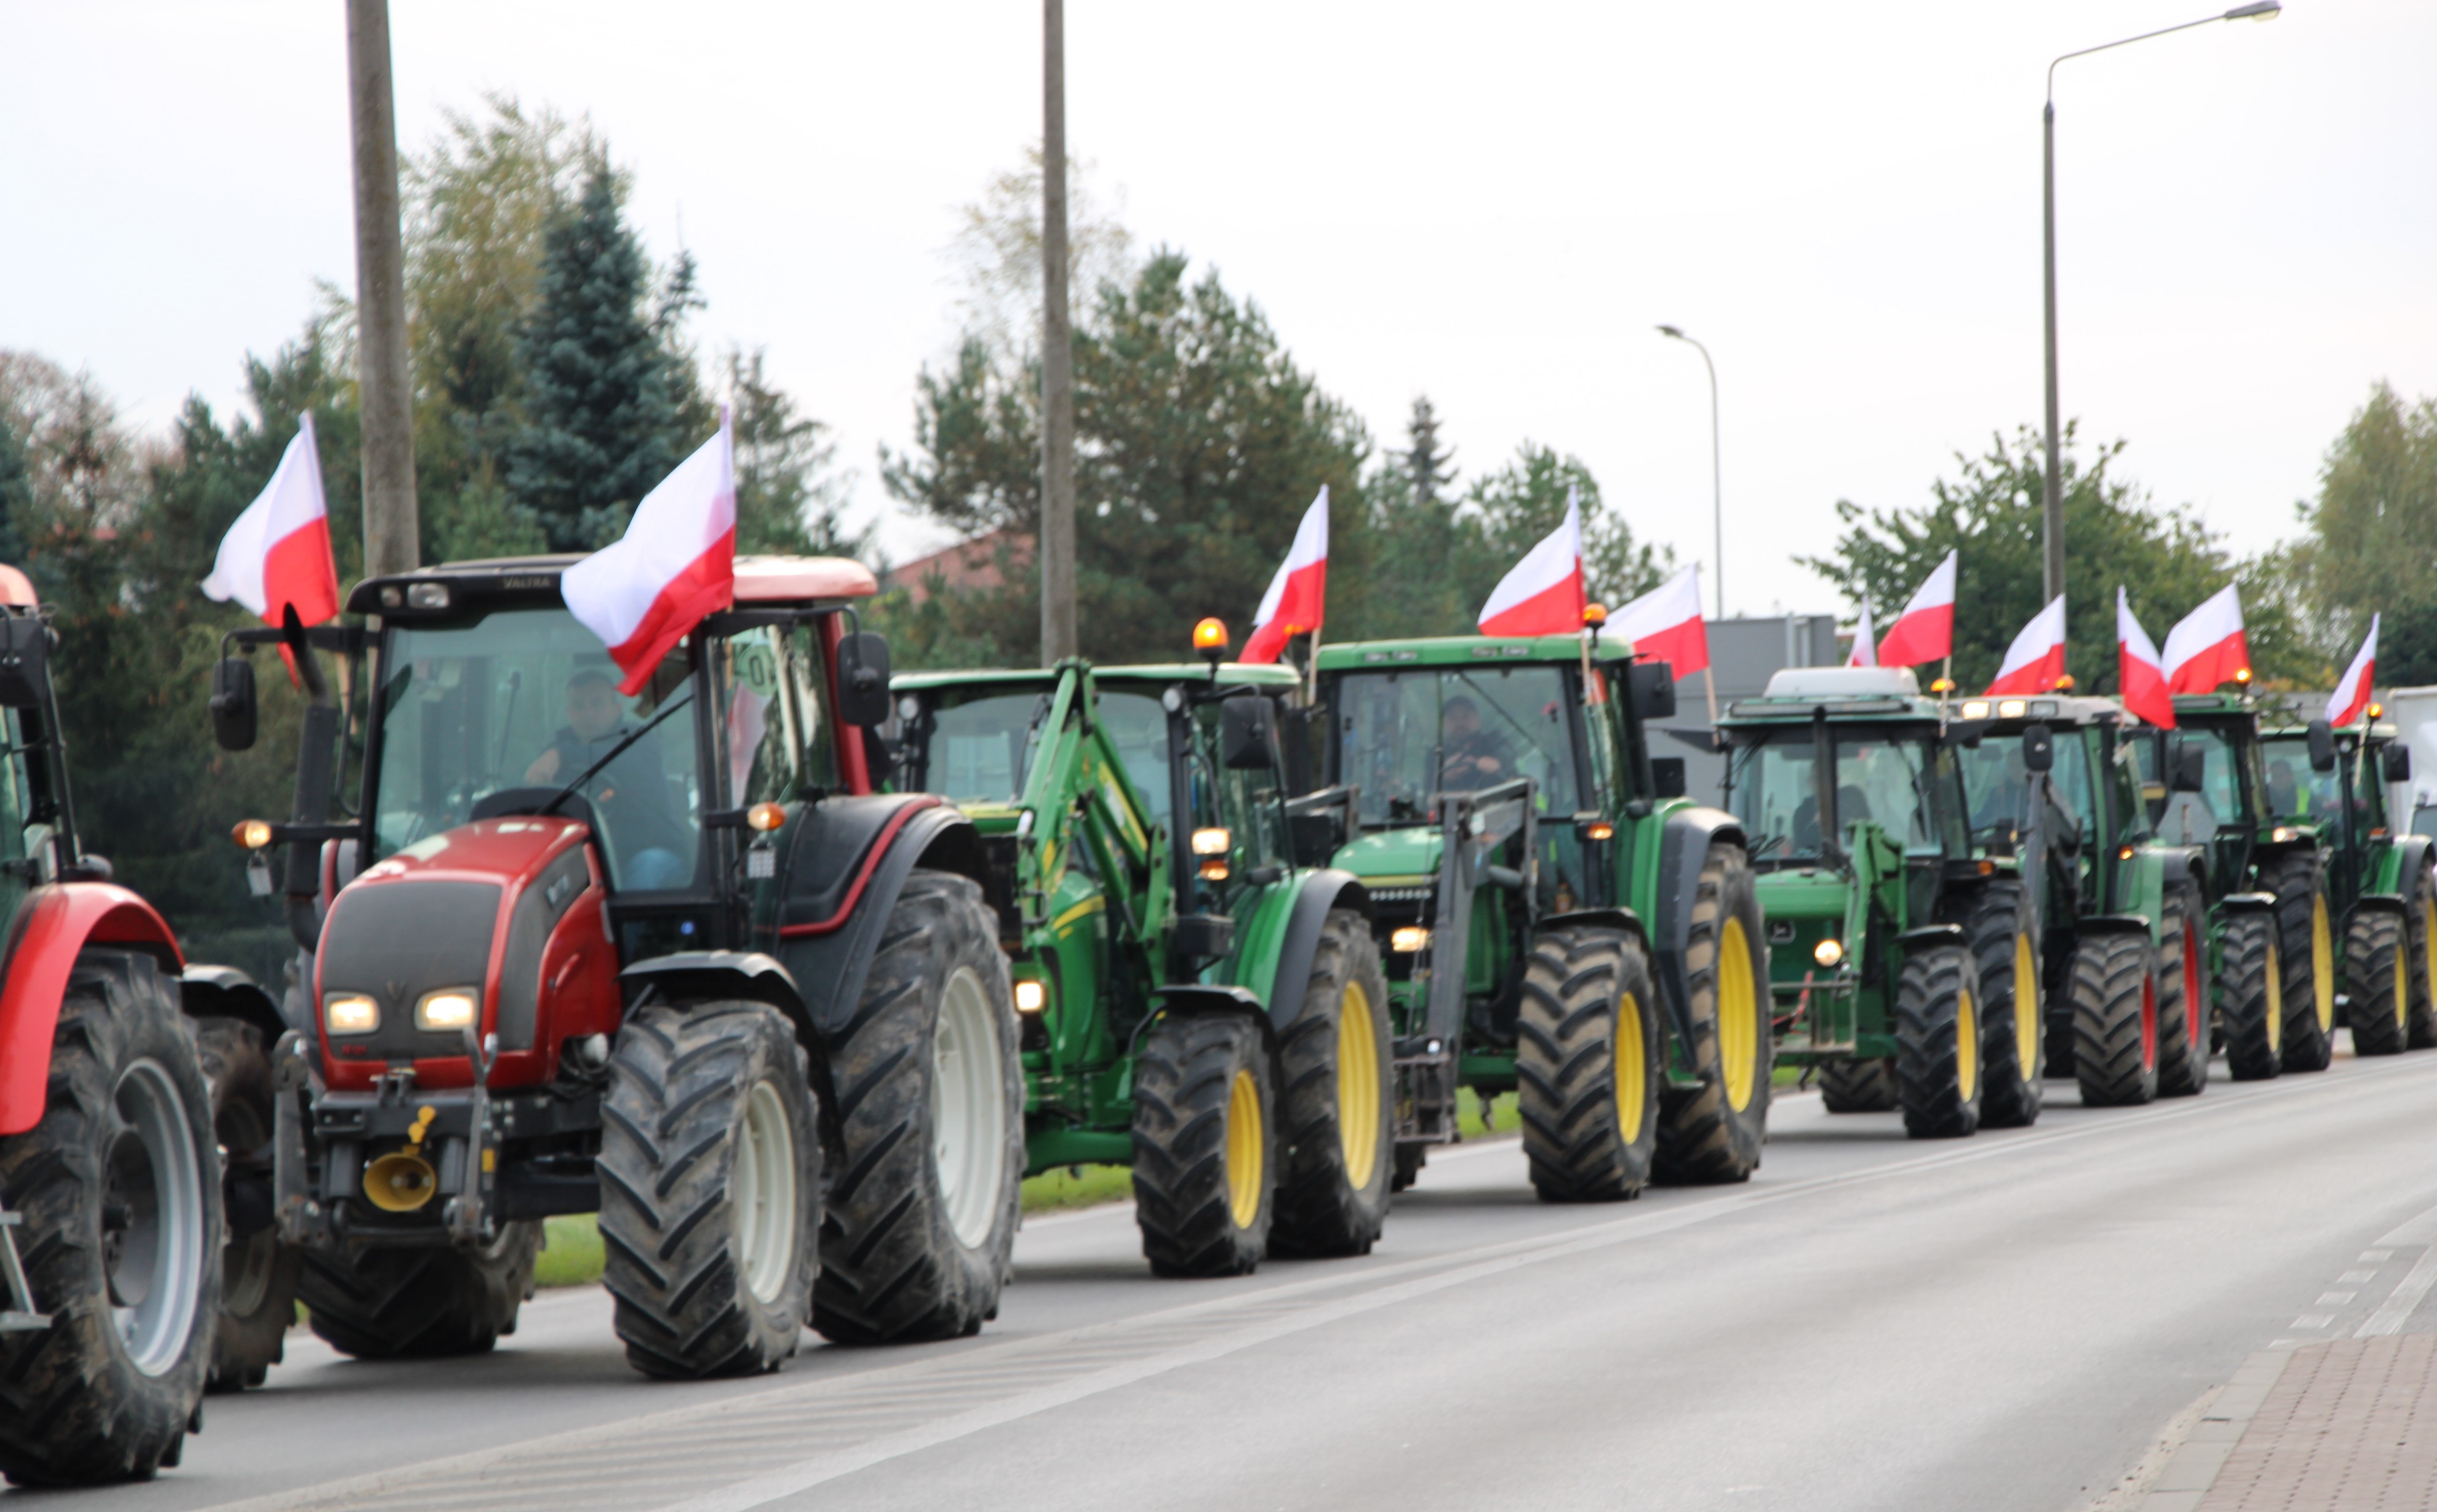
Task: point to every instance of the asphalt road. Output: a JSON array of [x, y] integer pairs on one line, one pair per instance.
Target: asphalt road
[[2003, 1322]]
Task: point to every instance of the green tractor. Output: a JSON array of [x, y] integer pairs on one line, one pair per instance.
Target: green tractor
[[2335, 782], [2274, 920], [1560, 920], [1199, 996]]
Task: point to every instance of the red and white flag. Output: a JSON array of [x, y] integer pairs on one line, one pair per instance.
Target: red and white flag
[[675, 563], [1865, 641], [2206, 646], [1543, 595], [2351, 695], [1665, 625], [2035, 662], [1925, 630], [2138, 667], [277, 553], [1299, 593]]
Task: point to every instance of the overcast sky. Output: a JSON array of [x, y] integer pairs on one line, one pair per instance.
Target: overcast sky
[[1491, 205]]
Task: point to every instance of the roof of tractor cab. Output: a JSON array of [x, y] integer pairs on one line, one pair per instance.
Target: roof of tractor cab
[[1257, 674], [1464, 650], [532, 582], [2215, 703], [2055, 709], [1842, 692]]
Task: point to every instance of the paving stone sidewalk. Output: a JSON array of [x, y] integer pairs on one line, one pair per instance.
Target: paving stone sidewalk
[[2342, 1426]]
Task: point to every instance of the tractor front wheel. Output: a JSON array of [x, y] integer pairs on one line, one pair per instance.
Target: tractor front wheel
[[2115, 1019], [1205, 1146], [1937, 1043], [2003, 933], [421, 1302], [258, 1273], [1587, 1066], [2377, 977], [1335, 1114], [2250, 1000], [2420, 911], [2305, 940], [1715, 1134], [1853, 1085], [2183, 995]]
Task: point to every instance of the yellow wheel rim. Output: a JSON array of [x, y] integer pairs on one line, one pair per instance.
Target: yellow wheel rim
[[2428, 946], [2027, 1007], [1246, 1157], [1358, 1086], [2322, 964], [2403, 984], [1632, 1069], [2275, 997], [1967, 1045], [1739, 1028]]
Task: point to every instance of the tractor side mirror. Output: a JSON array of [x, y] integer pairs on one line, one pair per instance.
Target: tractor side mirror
[[233, 711], [863, 678], [2190, 769], [1247, 733], [2395, 763], [1667, 776], [2323, 747], [1653, 689], [2039, 748], [24, 649]]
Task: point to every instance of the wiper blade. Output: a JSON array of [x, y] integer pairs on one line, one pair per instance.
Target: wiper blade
[[615, 751]]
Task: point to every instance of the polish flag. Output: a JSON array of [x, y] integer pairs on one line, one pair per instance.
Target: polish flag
[[1664, 625], [277, 553], [2351, 695], [1543, 595], [675, 563], [1925, 630], [2206, 646], [1865, 641], [2034, 661], [1300, 592], [2138, 668]]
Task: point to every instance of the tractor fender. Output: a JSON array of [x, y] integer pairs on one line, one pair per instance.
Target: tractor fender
[[850, 860], [1200, 1000], [2411, 858], [1321, 893], [2097, 925], [2385, 903], [52, 927], [224, 992], [697, 975], [1623, 920], [1932, 934], [2248, 903], [1683, 849]]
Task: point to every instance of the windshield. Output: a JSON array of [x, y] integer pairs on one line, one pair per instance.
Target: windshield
[[2295, 791], [1880, 779], [981, 748], [1405, 735], [2191, 818], [530, 699]]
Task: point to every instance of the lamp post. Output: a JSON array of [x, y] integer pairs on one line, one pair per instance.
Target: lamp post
[[2052, 512], [1717, 496]]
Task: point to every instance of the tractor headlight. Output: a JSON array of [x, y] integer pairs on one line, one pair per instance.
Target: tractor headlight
[[1211, 842], [2012, 708], [2283, 833], [351, 1013], [451, 1007], [1829, 952], [1032, 997], [1410, 941]]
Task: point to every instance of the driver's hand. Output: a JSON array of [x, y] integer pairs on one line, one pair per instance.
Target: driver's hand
[[1486, 766], [545, 766]]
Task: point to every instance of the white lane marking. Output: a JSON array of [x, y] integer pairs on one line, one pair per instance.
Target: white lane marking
[[2396, 1312], [2356, 1277], [2313, 1320], [2377, 1255], [2420, 1230], [2334, 1299]]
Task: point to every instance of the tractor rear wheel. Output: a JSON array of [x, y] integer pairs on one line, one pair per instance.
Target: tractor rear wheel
[[1715, 1134], [2305, 941], [1587, 1066], [118, 1195], [1937, 1043], [1853, 1085], [2003, 933], [1336, 1120], [2250, 999], [2377, 977], [2115, 987], [2183, 994], [420, 1304], [2420, 912], [258, 1273], [930, 1115], [711, 1182], [1205, 1146]]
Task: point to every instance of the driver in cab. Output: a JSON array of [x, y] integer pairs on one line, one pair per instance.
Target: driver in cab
[[1470, 757], [631, 794]]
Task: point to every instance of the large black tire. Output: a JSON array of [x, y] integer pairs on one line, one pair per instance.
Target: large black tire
[[2420, 914], [426, 1303], [258, 1273], [1205, 1146], [2378, 983], [2002, 930], [1587, 1066], [2306, 944], [1336, 1113], [2114, 988], [1857, 1086], [711, 1180], [1715, 1134], [1937, 1043], [2250, 999], [2183, 995], [930, 1114], [118, 1193]]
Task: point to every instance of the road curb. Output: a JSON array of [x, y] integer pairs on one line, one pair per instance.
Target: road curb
[[2183, 1465]]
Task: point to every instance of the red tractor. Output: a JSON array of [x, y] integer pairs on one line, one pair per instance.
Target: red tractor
[[667, 957], [120, 1125]]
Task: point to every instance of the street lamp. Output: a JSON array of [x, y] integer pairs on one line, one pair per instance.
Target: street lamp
[[1717, 499], [2052, 513]]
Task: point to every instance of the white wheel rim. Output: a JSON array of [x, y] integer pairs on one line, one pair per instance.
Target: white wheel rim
[[968, 1108], [766, 1194], [152, 1238]]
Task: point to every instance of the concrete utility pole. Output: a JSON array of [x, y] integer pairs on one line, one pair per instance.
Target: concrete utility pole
[[1058, 635], [391, 536]]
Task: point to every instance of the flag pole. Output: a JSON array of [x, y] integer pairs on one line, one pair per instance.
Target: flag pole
[[1311, 692], [1710, 685]]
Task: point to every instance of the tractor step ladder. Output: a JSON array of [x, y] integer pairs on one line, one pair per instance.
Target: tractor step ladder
[[19, 1316]]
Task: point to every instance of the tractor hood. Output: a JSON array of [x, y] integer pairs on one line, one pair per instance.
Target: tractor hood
[[1805, 893], [1394, 858]]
